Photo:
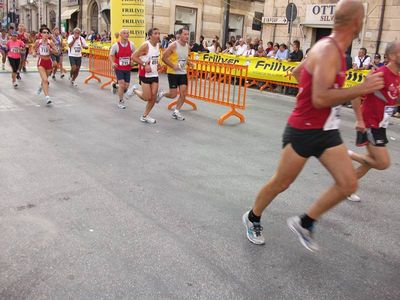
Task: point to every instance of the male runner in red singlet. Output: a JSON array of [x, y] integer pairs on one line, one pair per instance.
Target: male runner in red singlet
[[312, 128], [373, 116]]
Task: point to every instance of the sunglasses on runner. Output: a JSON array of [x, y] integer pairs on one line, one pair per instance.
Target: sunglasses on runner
[[45, 32]]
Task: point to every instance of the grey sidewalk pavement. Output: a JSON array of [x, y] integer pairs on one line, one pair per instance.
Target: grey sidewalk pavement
[[96, 205]]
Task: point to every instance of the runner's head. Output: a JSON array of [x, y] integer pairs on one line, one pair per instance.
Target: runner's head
[[392, 54], [56, 31], [77, 32], [183, 35], [21, 28], [45, 32], [154, 35], [124, 34], [14, 35], [349, 16]]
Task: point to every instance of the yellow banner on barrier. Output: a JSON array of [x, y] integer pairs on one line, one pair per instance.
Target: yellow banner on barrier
[[270, 69], [129, 14]]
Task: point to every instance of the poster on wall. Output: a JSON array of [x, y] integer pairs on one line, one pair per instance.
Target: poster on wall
[[129, 14]]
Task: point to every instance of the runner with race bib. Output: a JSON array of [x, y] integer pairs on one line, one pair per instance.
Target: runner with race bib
[[57, 57], [121, 59], [3, 48], [14, 48], [75, 45], [312, 128], [373, 117]]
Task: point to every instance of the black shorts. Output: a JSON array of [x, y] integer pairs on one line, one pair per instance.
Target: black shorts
[[14, 63], [75, 61], [176, 80], [311, 142], [374, 136], [56, 58], [124, 75], [148, 80]]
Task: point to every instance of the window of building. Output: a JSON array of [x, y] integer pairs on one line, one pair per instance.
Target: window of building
[[236, 23], [186, 17]]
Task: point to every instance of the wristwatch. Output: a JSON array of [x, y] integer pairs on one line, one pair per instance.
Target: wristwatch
[[143, 64]]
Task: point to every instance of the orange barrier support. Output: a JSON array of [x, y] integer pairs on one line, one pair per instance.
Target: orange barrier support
[[218, 83], [100, 65]]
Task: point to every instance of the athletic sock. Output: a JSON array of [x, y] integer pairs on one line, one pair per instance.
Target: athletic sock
[[253, 218], [306, 222]]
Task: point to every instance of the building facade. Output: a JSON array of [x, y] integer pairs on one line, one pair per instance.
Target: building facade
[[315, 20]]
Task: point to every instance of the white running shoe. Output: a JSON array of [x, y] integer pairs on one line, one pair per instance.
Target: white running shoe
[[148, 119], [160, 95], [74, 84], [47, 100], [177, 116], [254, 231], [132, 89], [39, 90], [305, 236], [121, 105], [15, 85], [354, 198]]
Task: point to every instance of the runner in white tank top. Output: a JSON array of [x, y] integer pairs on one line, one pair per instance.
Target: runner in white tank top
[[147, 57]]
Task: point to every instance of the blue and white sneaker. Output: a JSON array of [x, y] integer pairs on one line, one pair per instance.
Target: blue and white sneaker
[[131, 91], [305, 236], [253, 230]]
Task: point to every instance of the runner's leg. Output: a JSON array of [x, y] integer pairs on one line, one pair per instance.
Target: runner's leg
[[182, 96], [337, 161], [45, 82]]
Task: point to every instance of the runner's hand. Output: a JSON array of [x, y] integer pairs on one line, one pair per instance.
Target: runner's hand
[[373, 82], [177, 68], [360, 126], [114, 65]]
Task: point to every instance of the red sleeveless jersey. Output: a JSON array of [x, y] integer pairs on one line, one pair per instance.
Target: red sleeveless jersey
[[305, 115], [123, 57]]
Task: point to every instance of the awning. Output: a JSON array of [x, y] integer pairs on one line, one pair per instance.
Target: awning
[[317, 25], [105, 7], [66, 15]]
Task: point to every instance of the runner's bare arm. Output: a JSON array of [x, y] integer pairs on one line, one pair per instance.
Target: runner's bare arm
[[167, 54], [112, 60], [297, 71], [142, 50], [72, 42], [190, 64], [53, 48], [324, 69], [356, 104]]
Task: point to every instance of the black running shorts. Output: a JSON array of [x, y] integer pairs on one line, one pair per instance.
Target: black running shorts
[[14, 63], [148, 80], [176, 80], [75, 61], [311, 142], [376, 136]]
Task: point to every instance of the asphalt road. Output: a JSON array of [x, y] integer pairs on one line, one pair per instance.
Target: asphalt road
[[96, 205]]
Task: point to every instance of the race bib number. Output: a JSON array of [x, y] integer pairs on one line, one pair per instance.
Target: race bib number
[[15, 50], [154, 60], [387, 114], [43, 50], [333, 121], [77, 49], [182, 64], [124, 61]]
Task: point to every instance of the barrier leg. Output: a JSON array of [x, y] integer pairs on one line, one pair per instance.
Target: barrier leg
[[231, 113], [251, 83], [92, 76], [264, 86], [107, 83], [173, 103]]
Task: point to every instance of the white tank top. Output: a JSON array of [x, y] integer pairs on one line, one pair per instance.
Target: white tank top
[[44, 49], [152, 57], [3, 41]]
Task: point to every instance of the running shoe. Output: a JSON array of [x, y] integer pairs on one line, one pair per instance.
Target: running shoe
[[19, 76], [354, 198], [47, 100], [177, 116], [15, 85], [39, 90], [24, 69], [254, 231], [53, 77], [305, 236], [160, 95], [132, 89], [147, 119], [3, 67], [62, 76], [114, 88], [121, 105], [74, 84]]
